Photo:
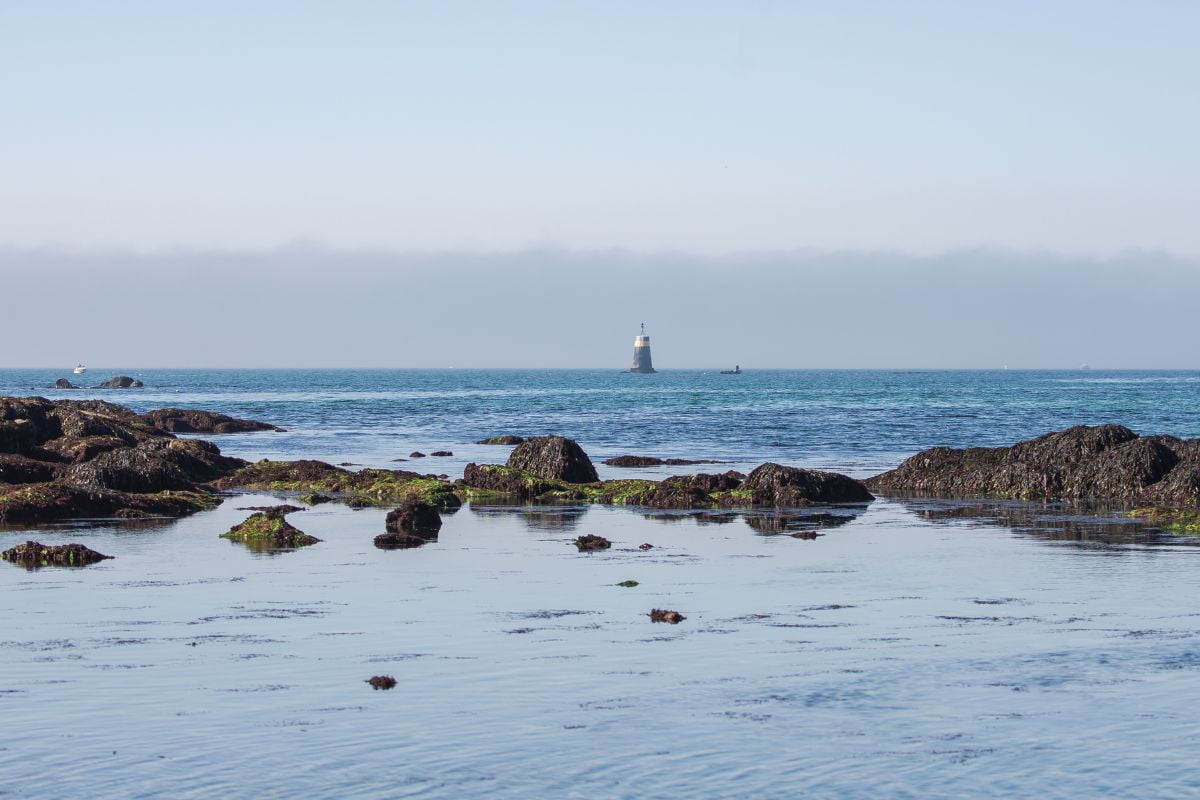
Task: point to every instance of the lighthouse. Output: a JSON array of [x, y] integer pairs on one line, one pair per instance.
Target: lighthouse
[[641, 353]]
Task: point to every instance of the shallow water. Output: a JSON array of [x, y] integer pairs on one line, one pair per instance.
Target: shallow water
[[914, 649]]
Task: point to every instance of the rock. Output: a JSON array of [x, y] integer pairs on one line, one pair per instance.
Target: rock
[[279, 510], [77, 449], [190, 420], [512, 483], [367, 486], [782, 487], [506, 439], [121, 382], [663, 615], [651, 461], [314, 498], [22, 469], [35, 554], [645, 546], [628, 584], [555, 458], [63, 383], [398, 540], [154, 465], [441, 453], [384, 682], [421, 519], [1106, 462], [590, 541], [268, 530], [416, 454]]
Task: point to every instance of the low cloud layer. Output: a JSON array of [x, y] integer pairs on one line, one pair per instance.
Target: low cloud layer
[[316, 308]]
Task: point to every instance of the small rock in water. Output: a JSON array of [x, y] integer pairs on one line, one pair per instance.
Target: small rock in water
[[35, 554], [506, 439], [805, 535], [398, 540], [314, 498], [348, 464], [442, 453], [628, 584], [63, 383], [384, 682], [272, 510], [592, 542], [416, 518], [645, 546], [394, 460], [663, 615], [416, 454]]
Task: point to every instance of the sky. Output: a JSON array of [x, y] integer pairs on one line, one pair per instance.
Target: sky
[[548, 145]]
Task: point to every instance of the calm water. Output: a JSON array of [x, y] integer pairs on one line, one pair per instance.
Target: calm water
[[923, 650]]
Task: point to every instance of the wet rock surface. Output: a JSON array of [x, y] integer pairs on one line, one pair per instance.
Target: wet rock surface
[[33, 554], [121, 382], [780, 486], [651, 461], [191, 420], [1106, 462], [383, 682], [268, 530], [505, 439], [591, 541], [63, 383], [420, 519], [665, 615], [399, 540], [366, 487], [555, 458]]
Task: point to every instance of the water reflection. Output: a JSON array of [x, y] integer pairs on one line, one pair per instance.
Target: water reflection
[[540, 518], [1083, 523]]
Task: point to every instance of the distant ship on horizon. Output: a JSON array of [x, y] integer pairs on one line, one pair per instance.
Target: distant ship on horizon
[[641, 354]]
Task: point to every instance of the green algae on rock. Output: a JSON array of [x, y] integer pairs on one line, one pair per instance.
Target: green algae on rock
[[367, 486], [1172, 520], [268, 530], [32, 555]]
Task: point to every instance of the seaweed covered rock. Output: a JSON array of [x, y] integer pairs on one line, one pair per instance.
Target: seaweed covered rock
[[268, 530], [651, 461], [782, 487], [399, 540], [154, 465], [35, 554], [415, 517], [507, 482], [191, 420], [1106, 462], [666, 615], [554, 458], [589, 542], [63, 383], [364, 487], [121, 382], [505, 439], [16, 468]]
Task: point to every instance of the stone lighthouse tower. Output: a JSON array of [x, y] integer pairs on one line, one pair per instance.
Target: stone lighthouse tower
[[641, 353]]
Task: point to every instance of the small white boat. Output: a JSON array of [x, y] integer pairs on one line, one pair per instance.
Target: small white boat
[[80, 369]]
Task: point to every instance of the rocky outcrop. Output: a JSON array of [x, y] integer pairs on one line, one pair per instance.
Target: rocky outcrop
[[417, 518], [555, 458], [63, 383], [191, 420], [1106, 462], [399, 540], [506, 482], [268, 530], [121, 382], [590, 541], [651, 461], [505, 439], [366, 487], [92, 458], [784, 487], [32, 555]]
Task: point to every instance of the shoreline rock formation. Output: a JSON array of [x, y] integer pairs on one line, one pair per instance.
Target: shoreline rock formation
[[1105, 462]]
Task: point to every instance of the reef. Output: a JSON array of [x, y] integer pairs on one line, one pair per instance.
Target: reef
[[1103, 463], [367, 487], [268, 530], [191, 420], [32, 555]]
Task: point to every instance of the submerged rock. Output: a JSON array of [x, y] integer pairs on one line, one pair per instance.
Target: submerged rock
[[399, 540], [645, 546], [383, 682], [628, 584], [121, 382], [415, 517], [416, 454], [555, 458], [314, 498], [591, 541], [268, 530], [663, 615], [651, 461], [35, 554], [441, 453], [190, 420], [506, 439], [1106, 462]]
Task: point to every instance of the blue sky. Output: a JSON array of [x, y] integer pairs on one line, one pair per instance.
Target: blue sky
[[706, 128]]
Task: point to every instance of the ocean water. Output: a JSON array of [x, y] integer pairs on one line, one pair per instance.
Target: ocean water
[[913, 649]]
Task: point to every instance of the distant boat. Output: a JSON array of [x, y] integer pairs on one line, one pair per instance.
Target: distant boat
[[1084, 366], [737, 370], [80, 369]]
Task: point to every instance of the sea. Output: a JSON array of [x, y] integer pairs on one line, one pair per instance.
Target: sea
[[903, 648]]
